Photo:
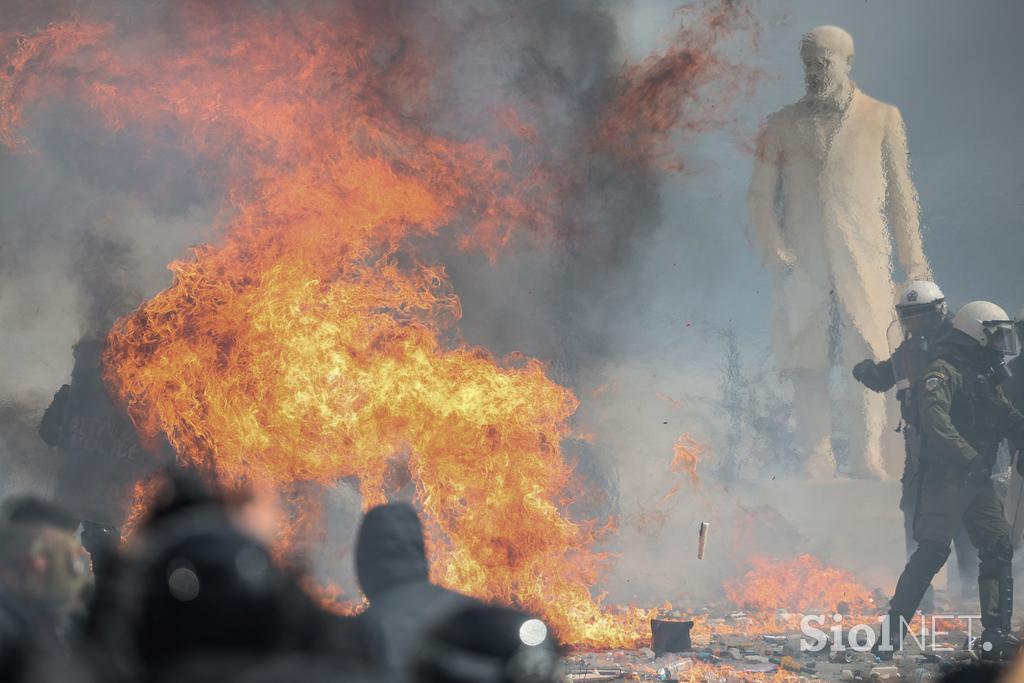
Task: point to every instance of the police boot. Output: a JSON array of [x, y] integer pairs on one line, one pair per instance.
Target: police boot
[[997, 642], [890, 639], [997, 645], [915, 580]]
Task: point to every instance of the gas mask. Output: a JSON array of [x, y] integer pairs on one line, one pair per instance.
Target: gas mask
[[922, 321], [1002, 343]]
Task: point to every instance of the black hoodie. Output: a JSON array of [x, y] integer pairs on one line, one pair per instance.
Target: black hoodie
[[391, 565]]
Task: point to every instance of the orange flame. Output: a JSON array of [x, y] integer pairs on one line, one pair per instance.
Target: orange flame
[[687, 453], [313, 343], [667, 93], [802, 583]]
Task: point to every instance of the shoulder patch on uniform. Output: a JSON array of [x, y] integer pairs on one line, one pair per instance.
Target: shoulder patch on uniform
[[933, 381]]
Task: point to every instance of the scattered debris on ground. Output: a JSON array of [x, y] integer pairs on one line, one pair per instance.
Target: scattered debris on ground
[[740, 646]]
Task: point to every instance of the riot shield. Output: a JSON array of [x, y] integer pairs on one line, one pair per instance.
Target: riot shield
[[1014, 506]]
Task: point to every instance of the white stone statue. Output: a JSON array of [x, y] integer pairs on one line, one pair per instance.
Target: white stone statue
[[831, 190]]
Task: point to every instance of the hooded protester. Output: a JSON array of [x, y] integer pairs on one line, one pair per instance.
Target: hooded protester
[[391, 565], [101, 456]]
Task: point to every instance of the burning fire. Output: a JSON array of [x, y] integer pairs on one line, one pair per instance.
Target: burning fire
[[315, 342], [686, 456], [800, 584]]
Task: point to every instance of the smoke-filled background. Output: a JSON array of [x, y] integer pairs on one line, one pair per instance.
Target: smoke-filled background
[[651, 305]]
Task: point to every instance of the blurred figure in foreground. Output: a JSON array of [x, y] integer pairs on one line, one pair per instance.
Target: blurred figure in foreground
[[44, 585], [979, 672], [483, 644], [197, 600], [391, 565]]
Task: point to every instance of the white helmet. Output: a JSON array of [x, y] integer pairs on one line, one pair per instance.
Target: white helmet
[[921, 309], [919, 293], [987, 324]]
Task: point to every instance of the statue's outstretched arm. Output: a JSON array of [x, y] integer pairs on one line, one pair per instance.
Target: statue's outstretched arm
[[901, 205], [762, 201]]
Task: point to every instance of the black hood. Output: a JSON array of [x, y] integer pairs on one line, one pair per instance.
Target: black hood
[[389, 549]]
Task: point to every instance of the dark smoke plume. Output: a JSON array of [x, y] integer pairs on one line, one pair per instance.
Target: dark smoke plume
[[101, 212]]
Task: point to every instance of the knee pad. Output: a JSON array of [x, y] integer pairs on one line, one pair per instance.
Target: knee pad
[[1005, 549], [931, 555], [998, 554]]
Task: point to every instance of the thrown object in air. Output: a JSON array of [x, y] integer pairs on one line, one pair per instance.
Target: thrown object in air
[[702, 539], [670, 636]]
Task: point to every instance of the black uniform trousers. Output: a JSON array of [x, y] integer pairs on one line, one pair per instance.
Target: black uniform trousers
[[945, 502], [965, 552]]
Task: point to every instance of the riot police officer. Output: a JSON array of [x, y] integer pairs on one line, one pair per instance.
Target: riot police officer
[[923, 320], [963, 416]]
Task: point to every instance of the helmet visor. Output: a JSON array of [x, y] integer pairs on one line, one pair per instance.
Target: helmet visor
[[923, 320], [1002, 336]]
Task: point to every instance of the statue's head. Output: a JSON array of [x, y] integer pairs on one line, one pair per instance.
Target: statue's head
[[827, 54]]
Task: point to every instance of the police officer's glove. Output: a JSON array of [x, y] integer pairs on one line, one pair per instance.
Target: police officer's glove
[[977, 472], [863, 369]]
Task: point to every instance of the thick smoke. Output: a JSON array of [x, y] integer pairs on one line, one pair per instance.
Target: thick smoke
[[91, 219], [561, 63], [89, 225], [85, 234], [572, 298], [26, 465]]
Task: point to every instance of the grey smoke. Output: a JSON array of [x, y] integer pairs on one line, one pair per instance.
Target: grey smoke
[[91, 219], [89, 223], [628, 311]]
